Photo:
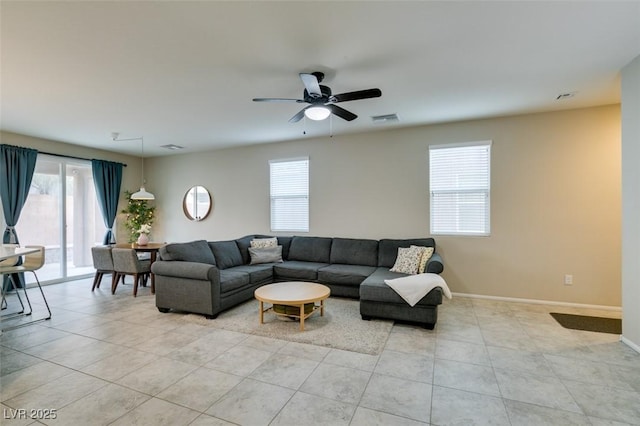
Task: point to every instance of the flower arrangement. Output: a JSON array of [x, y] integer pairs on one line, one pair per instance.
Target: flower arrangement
[[138, 213], [144, 229]]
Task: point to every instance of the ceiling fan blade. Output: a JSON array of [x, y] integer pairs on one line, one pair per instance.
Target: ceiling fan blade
[[310, 82], [277, 100], [341, 112], [298, 116], [354, 96]]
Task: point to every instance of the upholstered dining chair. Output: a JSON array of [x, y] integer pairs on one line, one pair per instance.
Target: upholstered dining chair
[[103, 262], [126, 262], [31, 263]]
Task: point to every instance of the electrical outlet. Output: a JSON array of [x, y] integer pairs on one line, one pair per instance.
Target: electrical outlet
[[568, 279]]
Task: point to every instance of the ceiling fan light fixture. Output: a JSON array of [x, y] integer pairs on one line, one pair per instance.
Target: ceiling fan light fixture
[[317, 113]]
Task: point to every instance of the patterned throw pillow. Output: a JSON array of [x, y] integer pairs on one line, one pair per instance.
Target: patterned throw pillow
[[425, 255], [408, 260], [264, 242]]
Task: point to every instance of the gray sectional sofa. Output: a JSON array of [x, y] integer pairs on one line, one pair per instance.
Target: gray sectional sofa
[[210, 277]]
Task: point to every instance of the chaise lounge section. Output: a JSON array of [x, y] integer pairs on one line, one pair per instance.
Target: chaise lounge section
[[210, 277], [378, 300]]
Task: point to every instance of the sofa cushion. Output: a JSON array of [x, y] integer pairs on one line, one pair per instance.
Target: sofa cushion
[[351, 251], [266, 255], [285, 242], [310, 249], [296, 270], [227, 254], [344, 274], [388, 249], [233, 280], [257, 273], [194, 251], [375, 289]]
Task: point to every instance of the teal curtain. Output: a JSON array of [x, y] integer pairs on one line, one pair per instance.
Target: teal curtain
[[16, 171], [107, 178]]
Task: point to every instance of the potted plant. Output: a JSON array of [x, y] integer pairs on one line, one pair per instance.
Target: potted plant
[[139, 217]]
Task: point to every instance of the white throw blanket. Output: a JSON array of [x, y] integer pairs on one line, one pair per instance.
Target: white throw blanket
[[412, 288]]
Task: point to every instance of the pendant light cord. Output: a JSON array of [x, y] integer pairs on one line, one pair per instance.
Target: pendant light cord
[[142, 180], [116, 138]]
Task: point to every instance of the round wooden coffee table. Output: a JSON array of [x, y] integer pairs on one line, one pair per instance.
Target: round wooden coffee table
[[293, 293]]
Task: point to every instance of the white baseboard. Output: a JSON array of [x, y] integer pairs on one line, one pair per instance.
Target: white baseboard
[[630, 344], [539, 302]]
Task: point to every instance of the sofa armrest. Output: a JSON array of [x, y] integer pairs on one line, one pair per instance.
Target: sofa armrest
[[189, 270], [434, 265]]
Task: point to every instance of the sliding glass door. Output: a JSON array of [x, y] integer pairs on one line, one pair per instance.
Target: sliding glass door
[[62, 214]]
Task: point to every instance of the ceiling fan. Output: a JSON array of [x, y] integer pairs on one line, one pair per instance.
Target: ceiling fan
[[321, 102]]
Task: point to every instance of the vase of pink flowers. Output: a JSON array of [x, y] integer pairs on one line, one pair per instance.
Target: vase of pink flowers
[[143, 234]]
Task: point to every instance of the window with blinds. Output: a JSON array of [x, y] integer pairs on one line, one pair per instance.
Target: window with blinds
[[460, 188], [289, 194]]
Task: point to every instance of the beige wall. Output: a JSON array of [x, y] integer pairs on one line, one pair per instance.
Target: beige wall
[[130, 175], [631, 203], [555, 203]]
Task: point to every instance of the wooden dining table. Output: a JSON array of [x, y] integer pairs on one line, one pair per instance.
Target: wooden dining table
[[151, 248]]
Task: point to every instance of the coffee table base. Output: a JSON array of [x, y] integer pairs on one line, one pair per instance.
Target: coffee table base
[[301, 316]]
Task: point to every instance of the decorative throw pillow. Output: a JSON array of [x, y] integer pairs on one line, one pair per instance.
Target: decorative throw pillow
[[264, 242], [425, 255], [265, 255], [407, 261]]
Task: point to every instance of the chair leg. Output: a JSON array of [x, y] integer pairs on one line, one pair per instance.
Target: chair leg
[[43, 297], [136, 278], [153, 283], [114, 283], [97, 280], [29, 303], [15, 287], [4, 300]]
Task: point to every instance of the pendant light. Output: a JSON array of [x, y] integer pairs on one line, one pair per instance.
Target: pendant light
[[142, 194]]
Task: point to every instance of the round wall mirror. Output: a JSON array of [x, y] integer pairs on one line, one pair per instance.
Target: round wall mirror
[[197, 203]]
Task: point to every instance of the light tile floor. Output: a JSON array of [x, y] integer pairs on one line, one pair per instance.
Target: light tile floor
[[116, 360]]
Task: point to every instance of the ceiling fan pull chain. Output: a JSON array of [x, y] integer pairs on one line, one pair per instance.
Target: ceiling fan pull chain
[[331, 126]]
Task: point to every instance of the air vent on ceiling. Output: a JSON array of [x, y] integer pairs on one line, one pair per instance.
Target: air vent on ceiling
[[387, 118], [565, 95], [172, 147]]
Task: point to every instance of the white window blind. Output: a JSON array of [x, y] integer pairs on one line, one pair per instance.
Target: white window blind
[[289, 195], [460, 183]]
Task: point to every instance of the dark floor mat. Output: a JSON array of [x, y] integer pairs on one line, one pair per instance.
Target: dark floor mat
[[582, 322]]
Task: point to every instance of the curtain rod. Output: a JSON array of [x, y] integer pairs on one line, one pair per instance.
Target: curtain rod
[[71, 156]]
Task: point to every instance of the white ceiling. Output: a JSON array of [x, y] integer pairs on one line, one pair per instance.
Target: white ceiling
[[185, 72]]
